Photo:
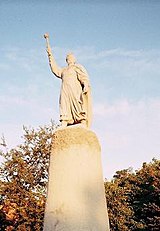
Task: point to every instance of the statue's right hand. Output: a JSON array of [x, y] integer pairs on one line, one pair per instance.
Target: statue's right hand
[[46, 35]]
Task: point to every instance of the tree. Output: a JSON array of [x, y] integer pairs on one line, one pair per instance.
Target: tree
[[118, 193], [133, 198], [146, 203], [24, 175]]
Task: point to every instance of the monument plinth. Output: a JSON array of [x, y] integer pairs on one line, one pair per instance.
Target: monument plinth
[[76, 197]]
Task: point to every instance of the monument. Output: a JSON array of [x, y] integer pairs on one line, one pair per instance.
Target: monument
[[76, 197]]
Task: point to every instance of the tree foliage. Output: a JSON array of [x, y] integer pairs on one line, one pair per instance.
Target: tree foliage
[[117, 197], [133, 198], [146, 203], [24, 176]]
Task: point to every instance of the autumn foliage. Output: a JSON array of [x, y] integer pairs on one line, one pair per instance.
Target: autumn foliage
[[24, 175], [132, 197]]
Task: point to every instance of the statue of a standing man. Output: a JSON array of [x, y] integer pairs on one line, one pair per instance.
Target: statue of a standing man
[[75, 99]]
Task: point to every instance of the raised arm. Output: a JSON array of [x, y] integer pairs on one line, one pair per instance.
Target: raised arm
[[53, 65]]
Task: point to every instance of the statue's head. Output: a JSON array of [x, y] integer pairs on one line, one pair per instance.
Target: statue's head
[[70, 59]]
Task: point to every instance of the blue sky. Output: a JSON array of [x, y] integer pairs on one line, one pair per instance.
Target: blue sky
[[119, 44]]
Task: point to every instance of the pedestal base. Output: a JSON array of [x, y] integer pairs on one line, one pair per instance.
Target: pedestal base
[[76, 197]]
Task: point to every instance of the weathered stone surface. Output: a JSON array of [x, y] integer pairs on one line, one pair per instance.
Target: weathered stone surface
[[76, 199]]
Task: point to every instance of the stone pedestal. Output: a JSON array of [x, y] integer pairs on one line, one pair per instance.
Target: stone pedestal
[[76, 198]]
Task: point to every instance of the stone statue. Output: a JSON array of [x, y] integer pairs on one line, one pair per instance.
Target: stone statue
[[75, 99]]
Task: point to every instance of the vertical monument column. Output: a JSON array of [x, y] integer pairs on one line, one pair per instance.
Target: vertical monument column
[[76, 197]]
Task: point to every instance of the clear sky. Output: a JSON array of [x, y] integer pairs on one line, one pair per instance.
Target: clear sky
[[117, 41]]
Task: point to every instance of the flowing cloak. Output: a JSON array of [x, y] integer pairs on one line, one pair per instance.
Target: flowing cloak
[[75, 105], [84, 78]]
